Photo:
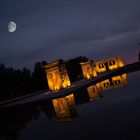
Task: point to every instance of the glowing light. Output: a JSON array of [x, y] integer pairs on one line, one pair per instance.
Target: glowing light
[[111, 64], [65, 107], [87, 69], [57, 76], [12, 26]]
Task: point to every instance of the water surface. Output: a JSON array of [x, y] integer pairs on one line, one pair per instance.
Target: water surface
[[115, 116]]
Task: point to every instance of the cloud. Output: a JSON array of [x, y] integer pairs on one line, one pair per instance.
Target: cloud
[[63, 29]]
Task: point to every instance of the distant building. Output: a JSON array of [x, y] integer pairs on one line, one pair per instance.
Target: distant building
[[87, 69], [108, 65], [57, 75], [94, 91]]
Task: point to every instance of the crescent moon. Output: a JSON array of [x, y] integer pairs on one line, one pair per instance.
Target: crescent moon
[[12, 26]]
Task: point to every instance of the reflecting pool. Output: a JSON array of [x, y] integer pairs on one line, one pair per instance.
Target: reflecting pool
[[86, 114]]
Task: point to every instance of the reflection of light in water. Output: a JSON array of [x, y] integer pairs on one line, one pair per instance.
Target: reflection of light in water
[[88, 70], [108, 65], [65, 107], [114, 82], [94, 92], [58, 78]]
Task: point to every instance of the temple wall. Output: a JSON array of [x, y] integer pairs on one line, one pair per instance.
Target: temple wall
[[87, 69], [111, 64], [57, 76], [54, 79], [94, 91]]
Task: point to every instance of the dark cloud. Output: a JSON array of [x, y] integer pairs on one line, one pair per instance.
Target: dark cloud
[[51, 29]]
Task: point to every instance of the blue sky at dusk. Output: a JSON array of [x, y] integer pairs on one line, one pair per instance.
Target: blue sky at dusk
[[53, 29]]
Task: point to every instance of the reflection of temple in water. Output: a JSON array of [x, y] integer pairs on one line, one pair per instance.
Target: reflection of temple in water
[[91, 70], [108, 65], [57, 75], [58, 78], [94, 91], [65, 108], [114, 82]]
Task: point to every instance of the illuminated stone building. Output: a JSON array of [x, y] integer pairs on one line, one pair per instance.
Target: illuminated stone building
[[57, 75], [65, 108], [108, 65], [87, 69], [94, 91]]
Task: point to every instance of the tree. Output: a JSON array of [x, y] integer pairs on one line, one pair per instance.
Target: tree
[[74, 68], [39, 80]]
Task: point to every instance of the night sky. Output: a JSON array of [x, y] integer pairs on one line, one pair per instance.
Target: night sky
[[53, 29]]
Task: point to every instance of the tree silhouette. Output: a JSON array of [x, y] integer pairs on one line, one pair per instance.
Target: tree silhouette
[[74, 68], [19, 82], [39, 80]]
